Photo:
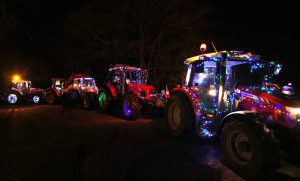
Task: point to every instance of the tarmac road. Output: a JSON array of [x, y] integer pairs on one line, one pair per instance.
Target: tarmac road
[[36, 144]]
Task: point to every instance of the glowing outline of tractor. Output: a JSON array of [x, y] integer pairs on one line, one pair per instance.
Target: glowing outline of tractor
[[237, 111]]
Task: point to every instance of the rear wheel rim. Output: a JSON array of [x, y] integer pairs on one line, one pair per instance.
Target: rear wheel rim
[[126, 108], [12, 98], [130, 106], [36, 99], [239, 147], [174, 113]]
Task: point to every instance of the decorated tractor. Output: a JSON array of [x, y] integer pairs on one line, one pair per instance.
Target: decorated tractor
[[22, 91], [53, 94], [128, 85], [232, 95], [82, 88]]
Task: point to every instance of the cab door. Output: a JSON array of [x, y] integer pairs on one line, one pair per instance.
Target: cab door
[[203, 81]]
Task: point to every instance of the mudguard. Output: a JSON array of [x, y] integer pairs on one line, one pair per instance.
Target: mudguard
[[193, 98], [111, 89], [245, 115]]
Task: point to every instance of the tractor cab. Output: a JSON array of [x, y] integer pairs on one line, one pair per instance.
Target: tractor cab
[[59, 85], [126, 78], [23, 86], [86, 84], [217, 83]]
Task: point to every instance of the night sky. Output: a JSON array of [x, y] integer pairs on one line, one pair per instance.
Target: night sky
[[44, 39]]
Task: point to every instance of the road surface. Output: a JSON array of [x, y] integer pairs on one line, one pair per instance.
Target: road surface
[[37, 144]]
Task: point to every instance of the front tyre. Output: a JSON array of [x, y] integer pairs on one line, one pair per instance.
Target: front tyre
[[244, 150], [36, 99], [50, 97], [104, 101], [131, 106], [12, 98], [179, 116]]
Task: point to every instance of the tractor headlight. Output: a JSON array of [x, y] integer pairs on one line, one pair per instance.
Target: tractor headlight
[[212, 92], [294, 112]]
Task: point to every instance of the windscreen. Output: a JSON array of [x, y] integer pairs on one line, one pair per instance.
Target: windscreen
[[203, 73], [88, 82], [134, 76]]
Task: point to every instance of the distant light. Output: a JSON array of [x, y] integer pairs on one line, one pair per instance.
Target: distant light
[[203, 47], [16, 78]]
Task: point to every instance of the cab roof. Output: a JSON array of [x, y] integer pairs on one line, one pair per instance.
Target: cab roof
[[74, 76], [123, 67], [231, 55]]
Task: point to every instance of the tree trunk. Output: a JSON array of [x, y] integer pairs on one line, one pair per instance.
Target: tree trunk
[[142, 47]]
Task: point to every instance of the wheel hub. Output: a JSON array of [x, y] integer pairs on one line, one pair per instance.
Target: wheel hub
[[127, 108], [12, 98], [239, 146], [36, 99]]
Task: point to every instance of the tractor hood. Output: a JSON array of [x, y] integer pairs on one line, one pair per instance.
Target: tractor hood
[[93, 89], [36, 90], [141, 87], [290, 101], [146, 92]]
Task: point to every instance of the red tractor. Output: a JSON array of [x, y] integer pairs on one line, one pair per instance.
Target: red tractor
[[233, 95], [22, 90], [53, 94], [82, 88], [127, 84]]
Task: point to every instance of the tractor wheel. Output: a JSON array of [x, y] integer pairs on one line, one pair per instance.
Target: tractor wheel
[[179, 117], [131, 106], [245, 151], [87, 101], [36, 99], [104, 101], [12, 98], [75, 98], [50, 97]]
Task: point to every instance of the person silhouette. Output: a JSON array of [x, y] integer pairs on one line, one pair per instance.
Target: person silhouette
[[67, 104]]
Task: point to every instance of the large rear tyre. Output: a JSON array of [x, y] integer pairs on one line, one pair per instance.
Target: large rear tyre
[[179, 116], [104, 101], [50, 97], [245, 151], [131, 106], [12, 98]]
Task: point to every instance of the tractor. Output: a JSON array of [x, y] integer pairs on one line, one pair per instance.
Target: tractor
[[22, 91], [53, 94], [128, 85], [82, 88], [234, 96]]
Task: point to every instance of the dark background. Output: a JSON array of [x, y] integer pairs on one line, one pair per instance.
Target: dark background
[[54, 38]]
